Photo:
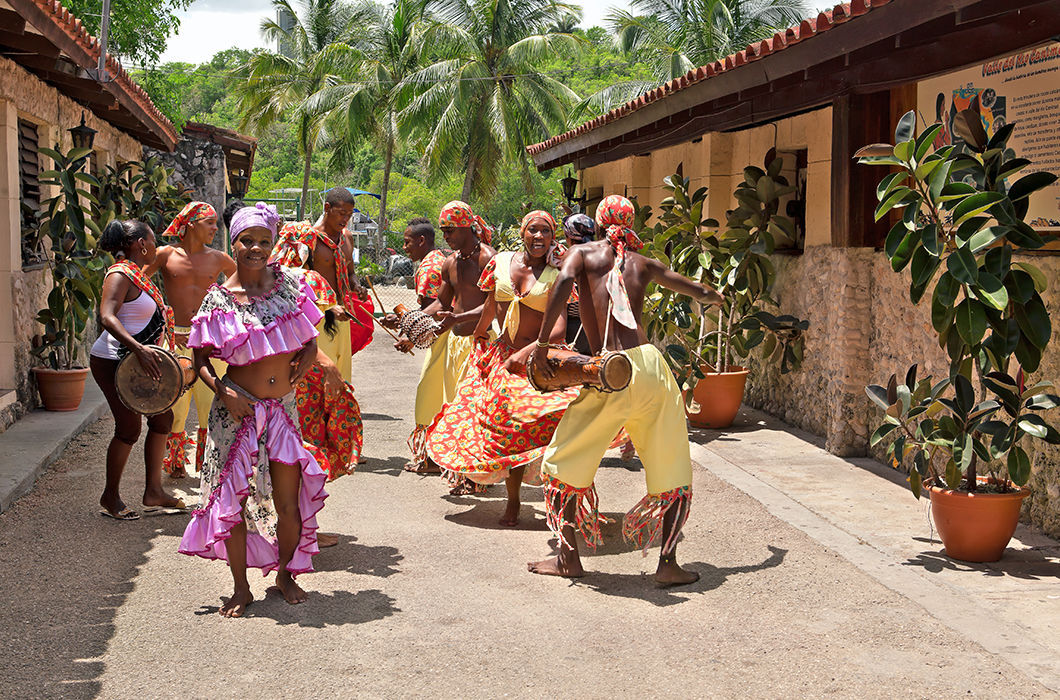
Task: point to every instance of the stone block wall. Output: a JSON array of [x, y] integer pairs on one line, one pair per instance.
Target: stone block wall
[[863, 328], [24, 97], [199, 166]]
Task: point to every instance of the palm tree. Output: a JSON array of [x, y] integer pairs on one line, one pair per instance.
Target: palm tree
[[366, 104], [484, 98], [675, 36], [314, 53]]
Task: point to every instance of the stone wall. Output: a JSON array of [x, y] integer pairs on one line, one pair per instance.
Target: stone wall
[[863, 328], [199, 166], [24, 292]]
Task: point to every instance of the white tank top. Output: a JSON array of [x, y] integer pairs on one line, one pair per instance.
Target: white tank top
[[134, 316]]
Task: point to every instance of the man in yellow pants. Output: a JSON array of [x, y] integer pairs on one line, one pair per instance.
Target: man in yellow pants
[[611, 282], [188, 269]]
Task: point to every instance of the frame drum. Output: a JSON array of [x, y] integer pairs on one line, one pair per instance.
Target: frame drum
[[148, 396]]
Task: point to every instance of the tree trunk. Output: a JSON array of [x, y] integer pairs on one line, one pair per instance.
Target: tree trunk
[[528, 183], [305, 180], [469, 179], [388, 160]]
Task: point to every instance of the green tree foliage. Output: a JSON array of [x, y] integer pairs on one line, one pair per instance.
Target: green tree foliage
[[139, 29], [484, 97], [272, 85]]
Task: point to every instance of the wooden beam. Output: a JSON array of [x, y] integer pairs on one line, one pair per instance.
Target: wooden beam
[[12, 22], [856, 121]]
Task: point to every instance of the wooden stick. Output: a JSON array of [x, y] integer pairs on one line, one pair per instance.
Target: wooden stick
[[383, 308]]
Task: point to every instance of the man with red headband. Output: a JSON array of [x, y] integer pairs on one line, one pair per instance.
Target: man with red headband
[[459, 302], [611, 281], [188, 268]]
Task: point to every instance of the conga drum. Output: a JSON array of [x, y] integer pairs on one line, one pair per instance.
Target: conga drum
[[417, 326], [607, 372], [148, 396]]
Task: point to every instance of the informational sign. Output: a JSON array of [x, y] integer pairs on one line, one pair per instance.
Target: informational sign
[[1023, 88]]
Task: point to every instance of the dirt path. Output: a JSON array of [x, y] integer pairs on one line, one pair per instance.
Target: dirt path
[[427, 596]]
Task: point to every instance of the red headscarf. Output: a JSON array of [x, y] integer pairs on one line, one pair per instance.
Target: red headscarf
[[192, 212], [457, 213], [615, 216]]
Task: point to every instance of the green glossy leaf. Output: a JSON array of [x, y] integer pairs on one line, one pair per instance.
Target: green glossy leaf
[[906, 127], [923, 266], [974, 205], [963, 266], [881, 432], [1020, 286], [971, 321], [1042, 402], [985, 238], [1019, 466], [924, 141], [1033, 319], [903, 151], [1037, 275], [1029, 184], [894, 199], [930, 239], [991, 292]]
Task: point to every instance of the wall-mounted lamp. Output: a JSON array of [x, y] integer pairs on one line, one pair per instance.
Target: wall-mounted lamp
[[570, 186], [82, 136]]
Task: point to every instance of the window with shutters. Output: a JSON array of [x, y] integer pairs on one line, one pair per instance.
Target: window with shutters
[[29, 192]]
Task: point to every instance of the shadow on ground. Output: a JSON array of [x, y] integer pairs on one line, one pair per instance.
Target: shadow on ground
[[321, 609], [391, 466], [1030, 564], [349, 555], [641, 586]]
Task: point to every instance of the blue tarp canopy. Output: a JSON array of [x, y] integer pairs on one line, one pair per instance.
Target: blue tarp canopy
[[357, 193]]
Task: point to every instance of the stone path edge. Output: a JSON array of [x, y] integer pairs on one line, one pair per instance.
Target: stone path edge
[[951, 609], [36, 441]]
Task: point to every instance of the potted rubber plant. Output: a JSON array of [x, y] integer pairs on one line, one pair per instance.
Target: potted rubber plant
[[708, 353], [959, 229], [66, 224]]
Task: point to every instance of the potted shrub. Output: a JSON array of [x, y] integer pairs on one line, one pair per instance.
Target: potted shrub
[[959, 223], [76, 281], [708, 352]]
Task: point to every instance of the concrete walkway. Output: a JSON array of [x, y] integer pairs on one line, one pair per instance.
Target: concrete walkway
[[33, 443], [803, 591]]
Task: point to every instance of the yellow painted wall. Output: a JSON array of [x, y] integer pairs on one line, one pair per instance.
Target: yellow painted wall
[[717, 161]]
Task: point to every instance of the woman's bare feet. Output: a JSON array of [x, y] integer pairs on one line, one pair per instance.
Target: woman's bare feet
[[425, 467], [511, 514], [326, 539], [112, 504], [237, 604], [464, 487], [670, 574], [180, 473], [568, 567], [291, 591]]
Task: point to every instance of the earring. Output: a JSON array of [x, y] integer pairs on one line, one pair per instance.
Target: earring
[[143, 249]]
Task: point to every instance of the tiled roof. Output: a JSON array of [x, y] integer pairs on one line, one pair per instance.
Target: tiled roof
[[804, 31], [70, 25]]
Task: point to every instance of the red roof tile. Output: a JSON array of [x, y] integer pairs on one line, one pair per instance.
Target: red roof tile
[[74, 30], [805, 30]]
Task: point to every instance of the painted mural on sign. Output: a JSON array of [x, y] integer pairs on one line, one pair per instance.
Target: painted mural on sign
[[1023, 88]]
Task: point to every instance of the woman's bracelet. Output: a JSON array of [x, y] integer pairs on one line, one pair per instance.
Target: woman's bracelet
[[544, 344]]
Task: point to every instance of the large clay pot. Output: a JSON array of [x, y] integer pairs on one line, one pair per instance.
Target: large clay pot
[[61, 389], [719, 395], [976, 527]]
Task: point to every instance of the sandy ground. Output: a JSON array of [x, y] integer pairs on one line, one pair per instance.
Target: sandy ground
[[427, 596]]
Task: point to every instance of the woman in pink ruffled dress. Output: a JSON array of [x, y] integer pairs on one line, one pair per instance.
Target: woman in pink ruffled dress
[[261, 487]]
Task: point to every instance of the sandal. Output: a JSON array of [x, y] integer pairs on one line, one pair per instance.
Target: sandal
[[124, 514]]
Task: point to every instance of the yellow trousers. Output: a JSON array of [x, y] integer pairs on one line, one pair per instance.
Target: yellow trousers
[[430, 392], [339, 348], [457, 352], [201, 393], [651, 411]]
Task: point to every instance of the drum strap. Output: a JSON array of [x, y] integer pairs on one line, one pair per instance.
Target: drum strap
[[150, 333]]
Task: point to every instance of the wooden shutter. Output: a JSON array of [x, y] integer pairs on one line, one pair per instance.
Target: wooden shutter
[[28, 165]]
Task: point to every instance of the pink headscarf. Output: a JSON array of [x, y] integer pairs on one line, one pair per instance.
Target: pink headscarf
[[260, 214]]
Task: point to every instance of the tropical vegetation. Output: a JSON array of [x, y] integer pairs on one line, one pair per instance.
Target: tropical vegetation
[[959, 227]]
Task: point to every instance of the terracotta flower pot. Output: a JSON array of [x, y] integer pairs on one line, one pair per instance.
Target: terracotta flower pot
[[976, 527], [719, 396], [61, 389]]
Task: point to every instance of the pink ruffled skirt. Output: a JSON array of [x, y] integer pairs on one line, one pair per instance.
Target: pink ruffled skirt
[[236, 485]]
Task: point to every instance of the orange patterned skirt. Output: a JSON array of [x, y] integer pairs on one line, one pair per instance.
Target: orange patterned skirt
[[496, 422]]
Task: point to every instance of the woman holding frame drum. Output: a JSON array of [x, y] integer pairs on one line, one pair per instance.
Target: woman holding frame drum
[[134, 315]]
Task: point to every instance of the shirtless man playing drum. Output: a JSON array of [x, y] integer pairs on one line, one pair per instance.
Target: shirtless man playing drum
[[459, 302], [611, 282], [188, 269]]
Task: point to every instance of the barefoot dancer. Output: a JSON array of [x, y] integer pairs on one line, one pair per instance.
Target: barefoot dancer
[[459, 302], [261, 487], [188, 269], [430, 392], [498, 426], [134, 315], [611, 280]]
